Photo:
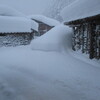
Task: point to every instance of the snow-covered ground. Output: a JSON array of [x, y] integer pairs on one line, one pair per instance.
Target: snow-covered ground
[[27, 73]]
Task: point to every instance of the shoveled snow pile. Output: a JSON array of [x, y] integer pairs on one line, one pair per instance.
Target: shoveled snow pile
[[54, 40], [81, 9], [9, 11], [44, 19]]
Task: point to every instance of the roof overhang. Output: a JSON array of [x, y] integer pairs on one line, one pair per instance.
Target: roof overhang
[[95, 19]]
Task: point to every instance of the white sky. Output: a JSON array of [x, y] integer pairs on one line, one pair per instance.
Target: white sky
[[28, 6]]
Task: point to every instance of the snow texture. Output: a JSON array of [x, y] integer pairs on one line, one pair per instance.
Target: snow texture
[[54, 9], [37, 75], [80, 9], [13, 21], [27, 74], [14, 24], [53, 40], [9, 11], [44, 19], [34, 25]]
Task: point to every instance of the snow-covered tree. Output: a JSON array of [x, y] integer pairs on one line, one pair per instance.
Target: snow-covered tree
[[54, 9]]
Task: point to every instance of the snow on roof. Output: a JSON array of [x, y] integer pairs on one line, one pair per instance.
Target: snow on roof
[[80, 9], [9, 11], [16, 24], [44, 19], [54, 40], [34, 25]]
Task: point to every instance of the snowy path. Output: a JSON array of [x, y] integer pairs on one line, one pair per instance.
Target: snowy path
[[39, 75]]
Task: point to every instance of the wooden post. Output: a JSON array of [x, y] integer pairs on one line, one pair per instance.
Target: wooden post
[[73, 39], [88, 40], [91, 33], [83, 40], [98, 42]]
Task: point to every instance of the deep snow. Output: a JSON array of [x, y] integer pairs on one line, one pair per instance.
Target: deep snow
[[14, 24], [53, 40], [9, 11], [44, 19], [27, 74], [80, 9], [12, 20]]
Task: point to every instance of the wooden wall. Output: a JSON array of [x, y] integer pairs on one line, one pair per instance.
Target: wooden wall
[[43, 28], [86, 38], [15, 39]]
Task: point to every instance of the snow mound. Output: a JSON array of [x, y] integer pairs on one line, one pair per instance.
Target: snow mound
[[8, 11], [81, 9], [54, 40], [44, 19]]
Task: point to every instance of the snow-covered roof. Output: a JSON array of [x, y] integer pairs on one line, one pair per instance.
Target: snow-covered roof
[[9, 11], [16, 24], [44, 19], [34, 25], [81, 9]]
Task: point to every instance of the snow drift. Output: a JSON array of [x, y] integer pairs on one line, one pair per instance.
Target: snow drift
[[56, 39]]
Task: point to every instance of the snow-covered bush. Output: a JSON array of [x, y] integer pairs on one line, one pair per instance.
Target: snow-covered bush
[[56, 39]]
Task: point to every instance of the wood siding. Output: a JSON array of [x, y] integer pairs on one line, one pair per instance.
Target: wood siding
[[15, 39], [86, 36], [43, 28]]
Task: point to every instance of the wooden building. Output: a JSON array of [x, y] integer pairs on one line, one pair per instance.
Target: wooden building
[[15, 38], [86, 26], [45, 23], [16, 31], [86, 35]]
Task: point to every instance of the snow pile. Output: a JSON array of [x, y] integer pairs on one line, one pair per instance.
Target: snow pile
[[8, 11], [14, 24], [81, 9], [54, 40], [44, 19]]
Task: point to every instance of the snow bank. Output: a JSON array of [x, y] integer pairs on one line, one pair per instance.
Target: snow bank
[[8, 11], [44, 19], [54, 40], [81, 9]]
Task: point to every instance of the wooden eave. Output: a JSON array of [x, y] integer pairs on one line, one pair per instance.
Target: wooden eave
[[15, 32], [95, 19]]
